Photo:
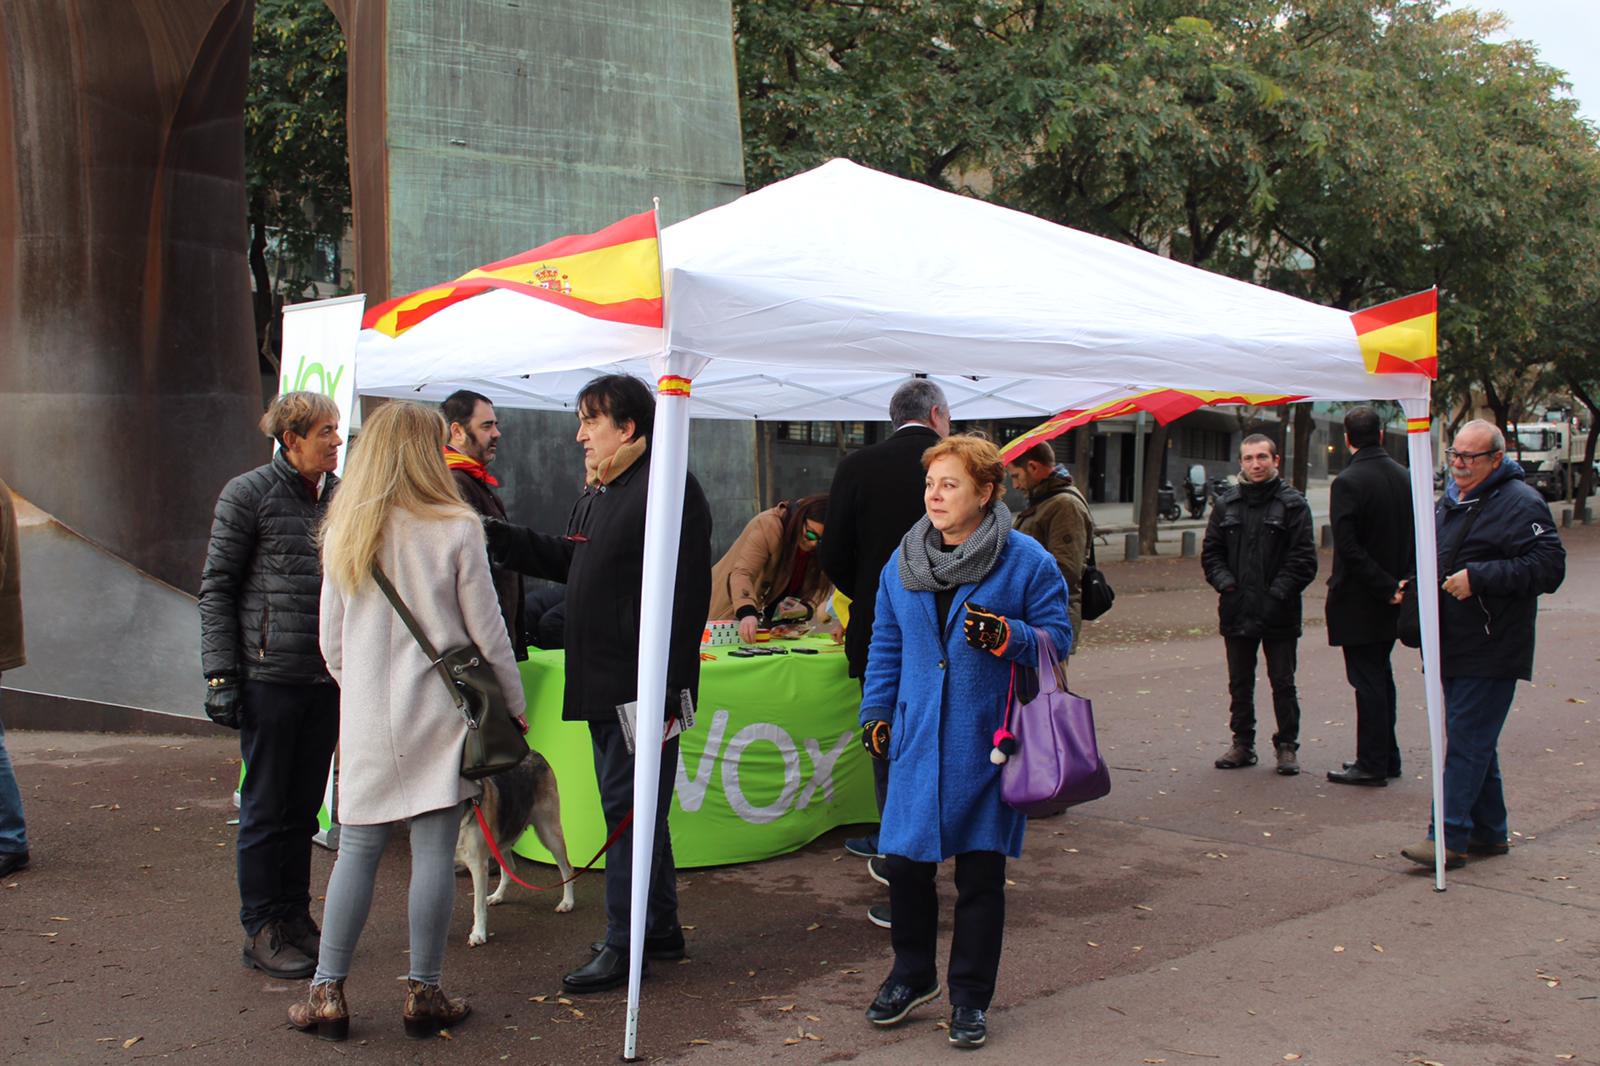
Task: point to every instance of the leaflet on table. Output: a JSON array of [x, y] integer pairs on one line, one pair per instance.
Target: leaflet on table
[[628, 713]]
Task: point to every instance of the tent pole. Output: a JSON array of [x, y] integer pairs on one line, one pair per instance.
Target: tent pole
[[1419, 443], [669, 468]]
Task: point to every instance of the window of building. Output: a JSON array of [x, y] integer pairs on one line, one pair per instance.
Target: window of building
[[823, 433], [1209, 444]]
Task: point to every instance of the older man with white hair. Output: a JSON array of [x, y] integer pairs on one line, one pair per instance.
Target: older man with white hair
[[1498, 550]]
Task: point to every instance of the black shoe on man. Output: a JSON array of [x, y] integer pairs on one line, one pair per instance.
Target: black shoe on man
[[271, 953], [1354, 774], [1394, 768], [969, 1027], [879, 915], [668, 947], [13, 862], [896, 999], [303, 933], [607, 970]]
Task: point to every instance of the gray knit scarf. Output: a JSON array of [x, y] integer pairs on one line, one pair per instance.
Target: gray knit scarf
[[924, 567]]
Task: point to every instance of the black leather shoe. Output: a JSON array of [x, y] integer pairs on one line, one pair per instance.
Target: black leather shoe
[[1394, 768], [1357, 776], [274, 956], [12, 862], [607, 970], [303, 933], [895, 1000], [969, 1027], [668, 947]]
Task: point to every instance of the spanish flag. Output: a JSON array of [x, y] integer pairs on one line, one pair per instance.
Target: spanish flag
[[1162, 404], [614, 275], [1401, 336]]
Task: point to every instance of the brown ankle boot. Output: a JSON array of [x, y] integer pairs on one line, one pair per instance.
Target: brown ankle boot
[[428, 1010], [324, 1012]]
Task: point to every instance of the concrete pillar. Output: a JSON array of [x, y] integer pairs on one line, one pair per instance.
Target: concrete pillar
[[1130, 546], [1566, 518], [1191, 544], [1327, 536]]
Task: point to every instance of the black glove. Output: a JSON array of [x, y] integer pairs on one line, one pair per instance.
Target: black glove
[[986, 630], [875, 738], [496, 533], [222, 700]]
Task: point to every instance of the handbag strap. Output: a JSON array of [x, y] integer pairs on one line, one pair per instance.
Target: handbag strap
[[410, 621], [1048, 661]]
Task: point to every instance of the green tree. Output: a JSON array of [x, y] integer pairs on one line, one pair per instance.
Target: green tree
[[297, 174]]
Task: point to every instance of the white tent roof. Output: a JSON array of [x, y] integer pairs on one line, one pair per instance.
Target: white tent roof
[[813, 297]]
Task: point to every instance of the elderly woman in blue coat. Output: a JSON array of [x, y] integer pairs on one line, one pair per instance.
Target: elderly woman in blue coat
[[957, 605]]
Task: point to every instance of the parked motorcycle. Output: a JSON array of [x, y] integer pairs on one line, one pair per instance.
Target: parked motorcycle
[[1194, 490], [1167, 502], [1217, 487]]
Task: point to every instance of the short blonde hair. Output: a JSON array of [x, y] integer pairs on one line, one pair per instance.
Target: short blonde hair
[[297, 413], [977, 455], [398, 462]]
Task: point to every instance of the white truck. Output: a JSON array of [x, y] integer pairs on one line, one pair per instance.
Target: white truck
[[1550, 453]]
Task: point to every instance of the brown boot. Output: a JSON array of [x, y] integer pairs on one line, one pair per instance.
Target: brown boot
[[428, 1010], [324, 1012], [269, 952]]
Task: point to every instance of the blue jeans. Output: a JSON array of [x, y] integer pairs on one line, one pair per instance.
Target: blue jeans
[[13, 830], [1475, 710]]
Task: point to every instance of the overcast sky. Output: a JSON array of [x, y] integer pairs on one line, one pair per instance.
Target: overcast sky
[[1568, 35]]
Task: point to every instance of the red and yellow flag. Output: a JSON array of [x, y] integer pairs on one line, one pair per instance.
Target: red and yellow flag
[[614, 275], [1401, 336], [1162, 404]]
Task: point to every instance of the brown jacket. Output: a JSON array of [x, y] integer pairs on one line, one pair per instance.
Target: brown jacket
[[748, 574], [1058, 517], [12, 653]]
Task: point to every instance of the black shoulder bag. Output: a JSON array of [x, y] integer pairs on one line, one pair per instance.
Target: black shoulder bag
[[494, 741], [1408, 627], [1097, 591]]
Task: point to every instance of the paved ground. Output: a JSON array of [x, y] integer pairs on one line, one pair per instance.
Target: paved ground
[[1192, 916]]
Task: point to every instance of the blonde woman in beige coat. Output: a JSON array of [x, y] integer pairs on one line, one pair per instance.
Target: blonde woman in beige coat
[[400, 734]]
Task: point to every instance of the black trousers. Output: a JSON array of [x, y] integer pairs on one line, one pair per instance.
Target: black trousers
[[1280, 656], [287, 734], [613, 770], [980, 923], [1368, 670]]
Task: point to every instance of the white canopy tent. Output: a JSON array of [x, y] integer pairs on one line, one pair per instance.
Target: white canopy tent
[[814, 297]]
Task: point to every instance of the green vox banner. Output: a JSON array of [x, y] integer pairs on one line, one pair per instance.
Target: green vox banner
[[772, 763]]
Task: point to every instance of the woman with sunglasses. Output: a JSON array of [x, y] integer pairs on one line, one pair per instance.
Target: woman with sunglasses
[[771, 573]]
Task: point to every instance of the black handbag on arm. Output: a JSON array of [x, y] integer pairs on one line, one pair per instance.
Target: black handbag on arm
[[1097, 593], [494, 741]]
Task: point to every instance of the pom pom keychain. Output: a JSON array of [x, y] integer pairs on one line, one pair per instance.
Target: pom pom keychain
[[1005, 746]]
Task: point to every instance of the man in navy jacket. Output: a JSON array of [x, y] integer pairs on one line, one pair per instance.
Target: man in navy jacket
[[1509, 553]]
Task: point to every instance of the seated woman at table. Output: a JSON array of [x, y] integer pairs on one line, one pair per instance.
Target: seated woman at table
[[400, 733], [771, 573], [935, 694]]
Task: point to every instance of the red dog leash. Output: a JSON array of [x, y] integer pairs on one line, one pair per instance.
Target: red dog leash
[[505, 867]]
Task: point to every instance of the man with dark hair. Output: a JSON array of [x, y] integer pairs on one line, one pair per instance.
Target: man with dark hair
[[260, 598], [1058, 517], [1506, 553], [474, 438], [602, 564], [875, 497], [1259, 556], [1373, 552]]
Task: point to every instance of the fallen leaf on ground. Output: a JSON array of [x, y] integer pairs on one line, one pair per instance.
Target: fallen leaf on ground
[[132, 1040], [1338, 949], [1378, 948], [1291, 1057], [1142, 907], [813, 927], [537, 999], [1154, 1062], [786, 1010], [693, 1043]]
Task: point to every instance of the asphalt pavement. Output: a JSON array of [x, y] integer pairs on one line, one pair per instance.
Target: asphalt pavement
[[1192, 916]]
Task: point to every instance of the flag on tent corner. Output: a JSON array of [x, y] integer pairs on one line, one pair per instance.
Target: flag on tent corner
[[613, 274], [1164, 404], [1401, 336]]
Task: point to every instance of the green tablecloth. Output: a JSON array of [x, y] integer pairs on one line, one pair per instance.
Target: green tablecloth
[[772, 763]]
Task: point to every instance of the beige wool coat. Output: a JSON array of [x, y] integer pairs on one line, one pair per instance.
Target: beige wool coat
[[400, 734], [748, 574]]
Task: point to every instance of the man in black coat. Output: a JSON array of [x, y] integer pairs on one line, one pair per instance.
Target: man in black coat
[[474, 438], [602, 565], [875, 498], [1373, 552], [1260, 557], [260, 599], [1498, 534]]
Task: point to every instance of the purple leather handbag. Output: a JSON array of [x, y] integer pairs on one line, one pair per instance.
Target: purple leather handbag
[[1056, 764]]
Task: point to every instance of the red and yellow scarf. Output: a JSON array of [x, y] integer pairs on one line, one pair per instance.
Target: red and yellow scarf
[[456, 461]]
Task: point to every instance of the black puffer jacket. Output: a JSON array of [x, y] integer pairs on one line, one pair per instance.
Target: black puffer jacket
[[1260, 556], [262, 583], [1512, 554]]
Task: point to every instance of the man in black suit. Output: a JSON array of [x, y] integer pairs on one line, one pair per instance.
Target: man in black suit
[[877, 496], [1373, 552]]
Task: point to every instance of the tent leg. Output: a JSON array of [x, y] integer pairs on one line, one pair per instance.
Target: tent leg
[[1419, 442]]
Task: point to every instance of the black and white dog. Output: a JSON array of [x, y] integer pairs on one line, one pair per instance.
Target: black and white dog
[[512, 802]]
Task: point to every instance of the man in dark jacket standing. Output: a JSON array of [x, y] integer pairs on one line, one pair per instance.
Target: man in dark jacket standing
[[1506, 552], [1373, 552], [876, 496], [474, 438], [602, 565], [1260, 557], [1058, 517], [260, 597]]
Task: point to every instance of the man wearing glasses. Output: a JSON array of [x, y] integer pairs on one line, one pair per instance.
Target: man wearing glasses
[[1496, 536]]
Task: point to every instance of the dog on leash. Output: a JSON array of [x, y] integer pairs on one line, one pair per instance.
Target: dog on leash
[[512, 802]]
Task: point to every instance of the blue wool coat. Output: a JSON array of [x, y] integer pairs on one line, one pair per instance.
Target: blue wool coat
[[944, 699]]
